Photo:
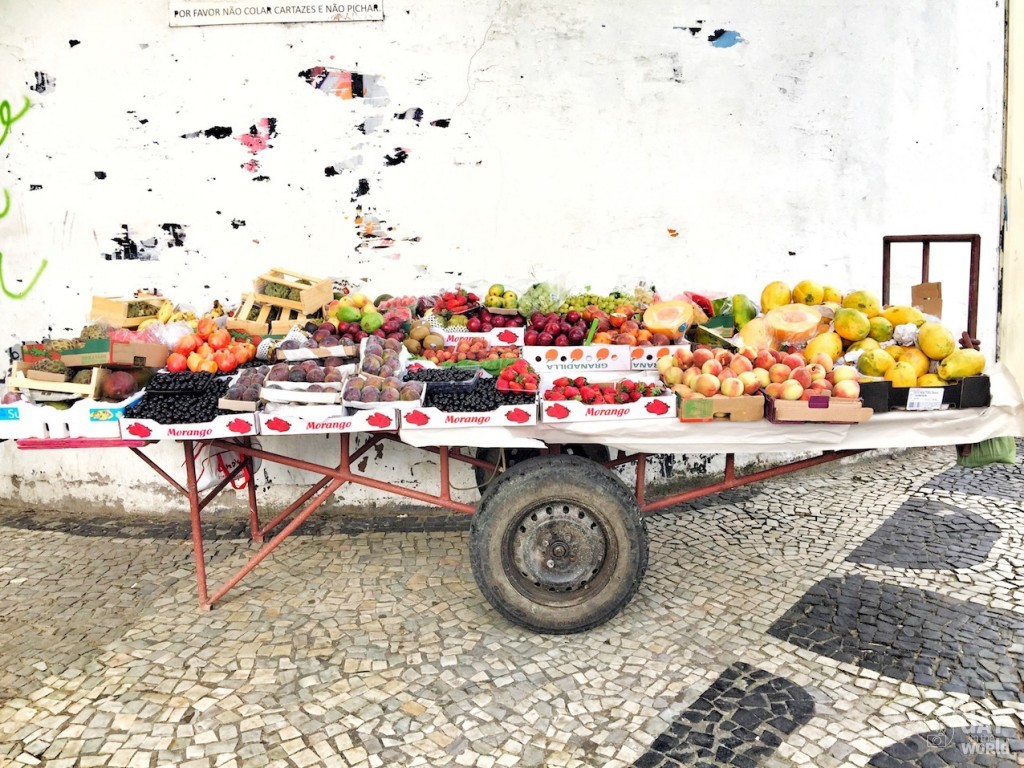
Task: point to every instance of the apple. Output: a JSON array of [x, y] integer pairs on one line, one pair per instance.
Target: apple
[[707, 385], [749, 381], [791, 390], [779, 372], [802, 375], [530, 337], [732, 387], [849, 388], [711, 366], [740, 364], [545, 339]]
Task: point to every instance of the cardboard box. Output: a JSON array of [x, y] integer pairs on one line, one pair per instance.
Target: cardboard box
[[229, 425], [324, 419], [646, 358], [495, 337], [820, 408], [114, 310], [970, 392], [19, 380], [597, 357], [45, 375], [504, 416], [107, 352], [927, 297], [876, 395], [298, 394], [721, 408], [33, 351], [320, 353]]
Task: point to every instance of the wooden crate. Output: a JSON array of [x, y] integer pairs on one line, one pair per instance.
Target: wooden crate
[[19, 381], [314, 292], [273, 320], [114, 311]]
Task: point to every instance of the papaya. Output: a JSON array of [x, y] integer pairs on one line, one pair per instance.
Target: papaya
[[831, 343], [348, 314], [936, 341], [961, 363], [865, 301], [864, 345], [875, 362], [808, 292], [792, 323], [852, 324], [743, 310], [669, 317], [930, 380], [775, 294], [914, 357], [901, 375], [900, 314], [831, 295], [881, 328]]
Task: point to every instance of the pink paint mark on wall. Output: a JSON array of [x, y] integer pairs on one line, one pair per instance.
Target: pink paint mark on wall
[[345, 84], [252, 166], [258, 137]]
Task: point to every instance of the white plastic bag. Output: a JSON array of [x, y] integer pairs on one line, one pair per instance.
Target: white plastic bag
[[214, 464]]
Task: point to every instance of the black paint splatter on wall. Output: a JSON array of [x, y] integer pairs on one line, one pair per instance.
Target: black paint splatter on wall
[[216, 132], [100, 175], [442, 122], [413, 113], [261, 178], [400, 156], [177, 235], [34, 187], [43, 83], [362, 189], [236, 223], [73, 43], [145, 249]]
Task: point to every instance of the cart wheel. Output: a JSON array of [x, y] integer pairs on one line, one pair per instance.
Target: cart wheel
[[513, 456], [558, 544]]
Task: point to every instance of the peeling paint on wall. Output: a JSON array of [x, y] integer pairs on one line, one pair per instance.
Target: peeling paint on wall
[[346, 84], [345, 165], [146, 249], [44, 83], [216, 132], [725, 38], [442, 122], [400, 156], [412, 113], [236, 223]]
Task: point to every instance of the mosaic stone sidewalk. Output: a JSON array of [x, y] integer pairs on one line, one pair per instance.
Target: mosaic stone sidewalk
[[868, 613]]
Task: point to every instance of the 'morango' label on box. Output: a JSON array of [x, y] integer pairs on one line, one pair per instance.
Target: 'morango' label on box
[[336, 425], [189, 432]]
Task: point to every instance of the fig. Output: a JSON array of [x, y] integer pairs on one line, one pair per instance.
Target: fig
[[389, 395], [369, 395], [297, 375]]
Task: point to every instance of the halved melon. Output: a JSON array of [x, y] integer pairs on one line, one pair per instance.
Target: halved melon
[[669, 317], [754, 334], [792, 323]]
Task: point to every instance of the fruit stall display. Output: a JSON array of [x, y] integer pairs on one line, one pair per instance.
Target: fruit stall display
[[802, 343]]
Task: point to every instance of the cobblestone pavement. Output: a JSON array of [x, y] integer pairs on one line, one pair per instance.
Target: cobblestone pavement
[[869, 613]]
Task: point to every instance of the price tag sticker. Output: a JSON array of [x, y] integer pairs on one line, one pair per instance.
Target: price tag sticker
[[924, 398]]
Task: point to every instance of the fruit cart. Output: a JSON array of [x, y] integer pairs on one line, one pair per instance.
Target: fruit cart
[[558, 542]]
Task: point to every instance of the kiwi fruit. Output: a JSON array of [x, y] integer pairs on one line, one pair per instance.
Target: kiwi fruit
[[419, 332], [433, 341], [413, 346]]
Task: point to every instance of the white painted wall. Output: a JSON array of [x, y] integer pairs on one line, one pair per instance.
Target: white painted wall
[[579, 136]]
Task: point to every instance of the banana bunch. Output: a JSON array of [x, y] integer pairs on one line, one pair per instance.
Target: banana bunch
[[167, 314], [216, 311]]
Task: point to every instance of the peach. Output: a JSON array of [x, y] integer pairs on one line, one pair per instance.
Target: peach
[[673, 376], [684, 357], [762, 376], [750, 382], [818, 371], [764, 359], [748, 352], [791, 390], [779, 372], [847, 388], [803, 375], [695, 396], [739, 364], [724, 356], [774, 389], [664, 363], [682, 390], [793, 360], [732, 387], [711, 366], [690, 375], [778, 354], [844, 373], [706, 384], [822, 386], [807, 394], [824, 360], [701, 355]]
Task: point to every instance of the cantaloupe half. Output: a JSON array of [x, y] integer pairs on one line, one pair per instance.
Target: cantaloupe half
[[669, 317], [792, 323]]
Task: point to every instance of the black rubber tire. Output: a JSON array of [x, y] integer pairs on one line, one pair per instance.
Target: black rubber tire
[[558, 544], [513, 456]]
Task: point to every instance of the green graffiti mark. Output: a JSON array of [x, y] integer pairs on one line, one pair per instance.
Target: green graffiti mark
[[31, 285], [5, 117], [7, 203]]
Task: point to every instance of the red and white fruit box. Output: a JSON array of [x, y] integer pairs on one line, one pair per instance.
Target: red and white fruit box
[[503, 416], [228, 425], [597, 357], [646, 358], [561, 411], [495, 337], [324, 419], [23, 420]]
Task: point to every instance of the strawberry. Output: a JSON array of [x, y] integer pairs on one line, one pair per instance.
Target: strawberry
[[552, 394], [627, 385], [572, 392], [520, 366], [515, 386], [622, 397], [561, 381], [609, 399], [507, 374], [502, 385], [634, 396], [580, 381]]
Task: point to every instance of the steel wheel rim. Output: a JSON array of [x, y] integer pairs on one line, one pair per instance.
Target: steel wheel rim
[[558, 553]]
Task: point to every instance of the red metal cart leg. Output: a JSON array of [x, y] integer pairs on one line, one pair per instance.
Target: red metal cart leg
[[197, 526]]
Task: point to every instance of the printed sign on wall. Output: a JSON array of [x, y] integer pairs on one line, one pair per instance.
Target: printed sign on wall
[[194, 13]]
